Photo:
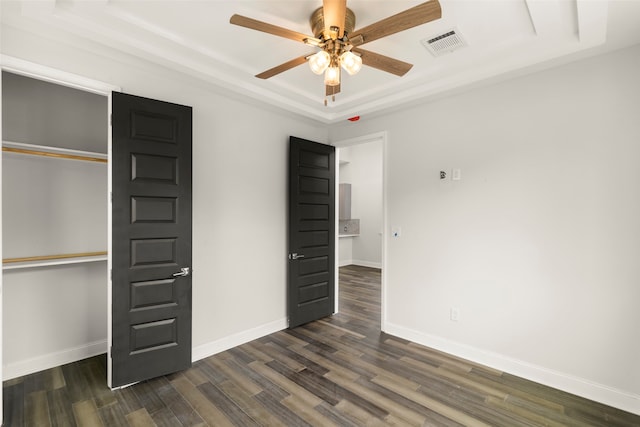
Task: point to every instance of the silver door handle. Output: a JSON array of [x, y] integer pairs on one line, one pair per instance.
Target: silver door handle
[[184, 271], [294, 256]]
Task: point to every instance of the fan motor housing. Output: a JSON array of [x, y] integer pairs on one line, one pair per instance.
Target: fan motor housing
[[317, 23]]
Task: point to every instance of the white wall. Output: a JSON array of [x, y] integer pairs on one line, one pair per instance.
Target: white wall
[[239, 193], [53, 206], [53, 314], [538, 244], [364, 173]]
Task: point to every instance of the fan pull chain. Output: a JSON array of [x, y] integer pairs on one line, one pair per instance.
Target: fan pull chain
[[333, 99]]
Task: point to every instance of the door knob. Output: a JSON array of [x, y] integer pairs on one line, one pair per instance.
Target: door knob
[[294, 256], [184, 271]]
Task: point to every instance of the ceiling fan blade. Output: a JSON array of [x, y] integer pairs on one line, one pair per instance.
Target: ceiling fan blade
[[331, 90], [418, 15], [254, 24], [283, 67], [384, 63], [335, 14]]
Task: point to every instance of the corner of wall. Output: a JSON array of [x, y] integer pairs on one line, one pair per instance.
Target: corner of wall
[[209, 349], [51, 360]]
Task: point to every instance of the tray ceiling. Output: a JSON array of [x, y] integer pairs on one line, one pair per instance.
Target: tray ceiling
[[195, 37]]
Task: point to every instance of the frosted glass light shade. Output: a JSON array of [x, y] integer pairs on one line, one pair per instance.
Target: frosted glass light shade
[[351, 62], [319, 62], [332, 76]]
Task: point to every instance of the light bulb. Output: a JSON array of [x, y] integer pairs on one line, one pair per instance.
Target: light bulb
[[351, 62], [332, 76], [319, 62]]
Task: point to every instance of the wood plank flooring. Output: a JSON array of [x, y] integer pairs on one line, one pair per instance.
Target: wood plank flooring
[[339, 371]]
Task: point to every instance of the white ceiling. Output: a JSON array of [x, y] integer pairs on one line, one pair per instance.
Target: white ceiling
[[195, 37]]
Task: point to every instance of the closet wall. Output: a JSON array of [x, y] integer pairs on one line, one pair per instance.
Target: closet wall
[[54, 311]]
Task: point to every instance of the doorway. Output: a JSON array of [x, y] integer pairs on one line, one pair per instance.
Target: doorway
[[362, 239]]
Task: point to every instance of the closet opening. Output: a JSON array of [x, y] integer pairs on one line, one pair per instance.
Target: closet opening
[[55, 224]]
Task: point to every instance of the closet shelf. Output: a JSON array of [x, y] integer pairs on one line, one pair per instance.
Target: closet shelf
[[61, 153], [50, 260]]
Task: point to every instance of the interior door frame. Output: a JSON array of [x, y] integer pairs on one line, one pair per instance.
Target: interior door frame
[[364, 139], [75, 81]]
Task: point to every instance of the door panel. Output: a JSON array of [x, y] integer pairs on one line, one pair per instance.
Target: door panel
[[151, 216], [153, 209], [311, 293]]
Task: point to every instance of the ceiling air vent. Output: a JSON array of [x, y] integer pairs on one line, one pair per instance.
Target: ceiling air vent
[[444, 43]]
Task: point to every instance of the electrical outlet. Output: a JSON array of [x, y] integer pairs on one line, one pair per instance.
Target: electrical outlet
[[455, 314]]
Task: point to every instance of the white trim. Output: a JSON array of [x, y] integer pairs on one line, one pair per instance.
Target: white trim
[[109, 240], [385, 231], [336, 244], [225, 343], [364, 139], [558, 380], [53, 75], [360, 263], [343, 263], [363, 263], [51, 360], [1, 275]]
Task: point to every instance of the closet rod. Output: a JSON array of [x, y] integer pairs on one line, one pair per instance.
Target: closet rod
[[57, 155], [50, 257]]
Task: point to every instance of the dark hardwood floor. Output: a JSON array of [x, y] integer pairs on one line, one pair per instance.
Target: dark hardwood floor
[[337, 371]]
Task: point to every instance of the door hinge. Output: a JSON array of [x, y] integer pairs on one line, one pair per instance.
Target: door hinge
[[111, 275], [111, 119], [111, 196]]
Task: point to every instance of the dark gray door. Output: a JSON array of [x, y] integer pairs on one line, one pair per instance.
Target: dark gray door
[[151, 249], [311, 272]]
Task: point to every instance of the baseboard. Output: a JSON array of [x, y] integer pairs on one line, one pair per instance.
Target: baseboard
[[215, 347], [51, 360], [360, 263], [370, 264], [579, 386]]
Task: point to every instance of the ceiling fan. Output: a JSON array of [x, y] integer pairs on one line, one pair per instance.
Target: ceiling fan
[[333, 29]]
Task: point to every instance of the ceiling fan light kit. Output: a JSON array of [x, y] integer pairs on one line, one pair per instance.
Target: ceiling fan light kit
[[319, 62], [351, 63], [332, 76], [322, 62], [333, 27]]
